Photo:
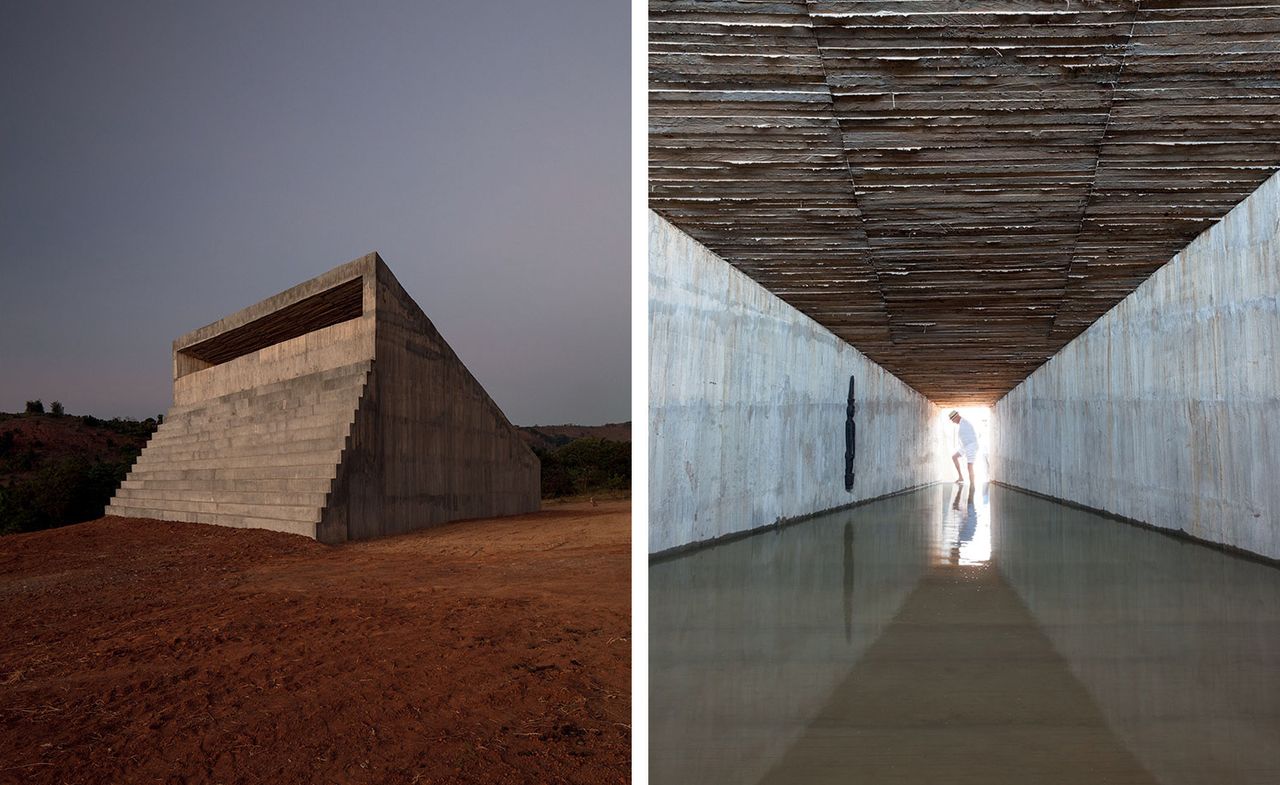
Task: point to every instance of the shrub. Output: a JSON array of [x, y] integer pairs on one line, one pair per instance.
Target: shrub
[[69, 491], [56, 409], [586, 465], [555, 477], [54, 491], [35, 407]]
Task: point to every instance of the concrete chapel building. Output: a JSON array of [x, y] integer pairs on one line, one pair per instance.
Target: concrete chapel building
[[334, 410]]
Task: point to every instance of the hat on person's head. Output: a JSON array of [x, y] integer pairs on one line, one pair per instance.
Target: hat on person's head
[[954, 413]]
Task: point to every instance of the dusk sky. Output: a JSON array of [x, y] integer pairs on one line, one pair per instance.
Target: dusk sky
[[165, 164]]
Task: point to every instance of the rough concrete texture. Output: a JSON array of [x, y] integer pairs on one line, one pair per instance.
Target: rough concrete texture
[[333, 410], [747, 405], [1167, 409]]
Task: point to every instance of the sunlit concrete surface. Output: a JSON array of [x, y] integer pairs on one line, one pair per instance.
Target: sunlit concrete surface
[[944, 637]]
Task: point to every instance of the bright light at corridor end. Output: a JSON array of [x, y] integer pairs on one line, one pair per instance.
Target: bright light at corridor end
[[947, 442]]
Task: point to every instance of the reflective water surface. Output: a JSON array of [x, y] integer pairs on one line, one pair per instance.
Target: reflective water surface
[[949, 637]]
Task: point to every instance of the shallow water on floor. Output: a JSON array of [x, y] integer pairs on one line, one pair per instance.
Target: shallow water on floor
[[944, 636]]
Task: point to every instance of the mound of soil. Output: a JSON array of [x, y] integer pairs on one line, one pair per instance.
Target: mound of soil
[[484, 651]]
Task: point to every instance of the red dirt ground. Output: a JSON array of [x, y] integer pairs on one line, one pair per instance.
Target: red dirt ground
[[484, 651]]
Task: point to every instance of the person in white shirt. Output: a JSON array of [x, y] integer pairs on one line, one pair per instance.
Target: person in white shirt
[[968, 445]]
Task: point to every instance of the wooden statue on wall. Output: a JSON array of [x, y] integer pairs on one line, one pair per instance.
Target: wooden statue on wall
[[850, 437]]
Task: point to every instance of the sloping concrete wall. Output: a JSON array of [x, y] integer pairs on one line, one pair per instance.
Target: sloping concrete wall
[[747, 405], [429, 445], [1167, 409]]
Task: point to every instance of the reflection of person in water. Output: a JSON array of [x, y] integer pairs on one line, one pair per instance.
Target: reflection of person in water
[[968, 521]]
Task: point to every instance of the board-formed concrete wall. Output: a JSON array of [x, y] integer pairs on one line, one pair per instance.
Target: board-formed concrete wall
[[428, 444], [334, 410], [1167, 409], [747, 405]]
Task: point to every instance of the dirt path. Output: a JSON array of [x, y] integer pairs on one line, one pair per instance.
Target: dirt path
[[483, 651]]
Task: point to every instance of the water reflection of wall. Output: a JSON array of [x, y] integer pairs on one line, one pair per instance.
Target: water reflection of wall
[[1177, 644], [748, 638]]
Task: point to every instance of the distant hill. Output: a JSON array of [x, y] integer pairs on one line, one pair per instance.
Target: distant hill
[[59, 469], [549, 437]]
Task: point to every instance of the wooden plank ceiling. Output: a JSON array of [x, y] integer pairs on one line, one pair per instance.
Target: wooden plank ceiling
[[958, 188], [325, 309]]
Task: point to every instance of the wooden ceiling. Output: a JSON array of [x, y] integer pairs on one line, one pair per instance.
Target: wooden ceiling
[[958, 188], [325, 309]]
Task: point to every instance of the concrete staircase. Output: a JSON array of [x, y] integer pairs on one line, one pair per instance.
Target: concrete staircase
[[260, 458]]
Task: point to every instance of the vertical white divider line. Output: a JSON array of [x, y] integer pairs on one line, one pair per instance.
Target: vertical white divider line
[[639, 394]]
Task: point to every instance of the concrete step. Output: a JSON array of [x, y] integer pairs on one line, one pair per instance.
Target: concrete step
[[247, 445], [179, 452], [260, 414], [157, 495], [231, 437], [284, 512], [301, 471], [247, 469], [327, 457], [266, 413], [312, 485], [304, 528]]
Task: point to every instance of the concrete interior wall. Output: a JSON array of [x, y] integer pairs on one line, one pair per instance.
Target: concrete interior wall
[[1167, 409], [747, 405]]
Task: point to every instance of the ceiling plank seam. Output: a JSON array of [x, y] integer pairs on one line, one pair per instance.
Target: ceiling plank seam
[[848, 165], [1097, 159]]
